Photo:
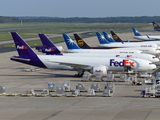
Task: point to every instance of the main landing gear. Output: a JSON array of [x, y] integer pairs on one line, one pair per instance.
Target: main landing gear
[[80, 73]]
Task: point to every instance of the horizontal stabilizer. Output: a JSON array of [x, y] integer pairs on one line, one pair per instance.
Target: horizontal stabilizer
[[22, 59]]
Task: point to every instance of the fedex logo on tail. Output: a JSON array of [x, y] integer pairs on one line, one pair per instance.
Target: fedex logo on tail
[[100, 71], [22, 47], [49, 50], [121, 63]]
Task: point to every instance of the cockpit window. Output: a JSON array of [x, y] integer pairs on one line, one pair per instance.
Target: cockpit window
[[151, 63]]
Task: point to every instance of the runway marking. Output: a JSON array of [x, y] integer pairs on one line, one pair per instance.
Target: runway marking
[[156, 105], [116, 106], [136, 105], [111, 104]]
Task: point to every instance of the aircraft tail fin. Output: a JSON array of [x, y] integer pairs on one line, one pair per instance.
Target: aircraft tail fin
[[70, 43], [26, 54], [46, 41], [22, 47], [101, 39], [80, 42], [108, 37], [115, 37], [155, 25], [48, 46], [136, 33]]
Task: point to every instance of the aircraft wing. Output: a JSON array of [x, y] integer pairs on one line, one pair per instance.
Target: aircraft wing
[[75, 65]]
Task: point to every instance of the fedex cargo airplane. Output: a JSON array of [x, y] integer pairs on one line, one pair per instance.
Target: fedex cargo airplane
[[94, 65], [48, 43], [150, 48]]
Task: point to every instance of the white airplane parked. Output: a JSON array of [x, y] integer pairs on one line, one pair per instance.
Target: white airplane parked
[[149, 41], [137, 35], [150, 48], [149, 57], [47, 43], [95, 65], [74, 48]]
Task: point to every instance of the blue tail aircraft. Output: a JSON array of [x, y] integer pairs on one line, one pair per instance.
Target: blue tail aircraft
[[138, 36], [108, 37], [102, 39]]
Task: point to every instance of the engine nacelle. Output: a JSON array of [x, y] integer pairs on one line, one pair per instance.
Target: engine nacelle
[[102, 70]]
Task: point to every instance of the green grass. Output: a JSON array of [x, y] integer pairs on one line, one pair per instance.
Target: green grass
[[38, 43], [29, 30]]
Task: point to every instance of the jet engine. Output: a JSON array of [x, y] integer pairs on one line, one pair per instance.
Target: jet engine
[[101, 70]]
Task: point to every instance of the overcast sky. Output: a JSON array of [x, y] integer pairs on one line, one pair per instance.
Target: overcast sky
[[80, 8]]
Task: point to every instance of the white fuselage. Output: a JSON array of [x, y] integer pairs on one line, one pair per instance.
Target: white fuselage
[[155, 41], [102, 51], [149, 57], [149, 50], [86, 63], [149, 37], [146, 48]]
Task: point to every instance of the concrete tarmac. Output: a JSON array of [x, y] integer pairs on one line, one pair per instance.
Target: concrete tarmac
[[126, 104]]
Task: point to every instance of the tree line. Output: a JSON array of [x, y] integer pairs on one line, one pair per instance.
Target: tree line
[[141, 19], [8, 19]]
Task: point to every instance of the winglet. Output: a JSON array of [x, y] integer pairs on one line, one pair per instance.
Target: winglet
[[70, 43], [22, 47], [136, 33], [115, 37], [101, 39], [80, 42], [108, 37]]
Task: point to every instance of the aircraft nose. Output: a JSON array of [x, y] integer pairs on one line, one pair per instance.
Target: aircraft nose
[[154, 67], [157, 59]]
